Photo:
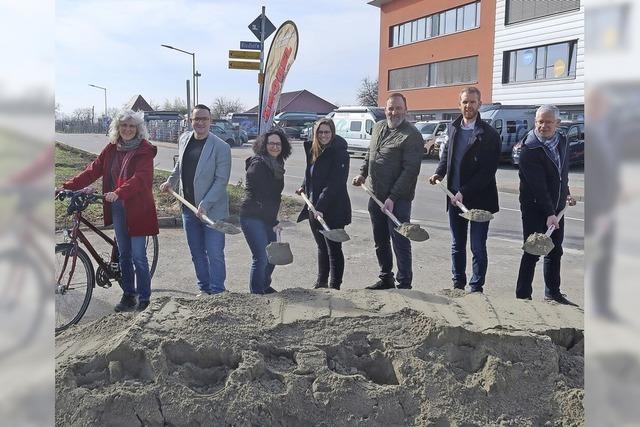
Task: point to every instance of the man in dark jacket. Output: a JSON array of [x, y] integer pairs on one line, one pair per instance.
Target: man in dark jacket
[[544, 192], [470, 160], [391, 168]]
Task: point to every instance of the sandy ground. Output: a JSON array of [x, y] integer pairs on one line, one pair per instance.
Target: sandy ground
[[326, 358]]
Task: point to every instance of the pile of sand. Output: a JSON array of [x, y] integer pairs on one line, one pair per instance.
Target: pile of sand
[[325, 358]]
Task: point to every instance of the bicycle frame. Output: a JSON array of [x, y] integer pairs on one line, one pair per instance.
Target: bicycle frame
[[77, 236]]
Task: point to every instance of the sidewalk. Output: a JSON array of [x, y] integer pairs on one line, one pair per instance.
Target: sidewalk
[[431, 265]]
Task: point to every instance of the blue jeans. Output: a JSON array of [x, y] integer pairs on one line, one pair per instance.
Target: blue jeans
[[479, 231], [258, 235], [132, 251], [384, 235], [207, 252]]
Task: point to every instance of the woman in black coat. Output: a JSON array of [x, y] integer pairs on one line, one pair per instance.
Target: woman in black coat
[[259, 210], [325, 184]]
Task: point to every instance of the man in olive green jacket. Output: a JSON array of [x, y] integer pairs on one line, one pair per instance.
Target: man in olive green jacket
[[390, 169]]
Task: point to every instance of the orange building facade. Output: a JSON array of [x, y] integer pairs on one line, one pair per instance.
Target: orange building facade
[[431, 49]]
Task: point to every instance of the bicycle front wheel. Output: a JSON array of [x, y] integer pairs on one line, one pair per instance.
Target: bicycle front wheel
[[152, 253], [73, 290]]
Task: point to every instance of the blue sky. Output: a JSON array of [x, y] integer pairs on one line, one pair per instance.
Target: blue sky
[[116, 44]]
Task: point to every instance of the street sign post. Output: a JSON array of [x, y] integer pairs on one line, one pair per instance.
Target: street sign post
[[244, 54], [256, 27], [250, 45], [244, 65]]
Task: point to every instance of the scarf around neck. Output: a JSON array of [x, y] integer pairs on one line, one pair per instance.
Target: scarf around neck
[[276, 165], [551, 145], [128, 145]]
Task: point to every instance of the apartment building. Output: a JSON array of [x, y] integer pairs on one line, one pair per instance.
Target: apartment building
[[539, 54], [431, 49]]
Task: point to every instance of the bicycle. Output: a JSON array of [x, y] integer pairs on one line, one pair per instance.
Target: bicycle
[[75, 280]]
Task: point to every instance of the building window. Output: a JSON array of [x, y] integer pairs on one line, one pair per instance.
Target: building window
[[444, 73], [447, 22], [554, 61], [524, 10]]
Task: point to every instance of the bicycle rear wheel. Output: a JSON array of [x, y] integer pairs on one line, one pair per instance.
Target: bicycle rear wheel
[[23, 295], [152, 253], [72, 301]]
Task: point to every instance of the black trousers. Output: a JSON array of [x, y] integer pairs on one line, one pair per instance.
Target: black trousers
[[330, 256], [533, 221]]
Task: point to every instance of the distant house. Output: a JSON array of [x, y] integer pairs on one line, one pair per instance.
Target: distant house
[[302, 101], [138, 103]]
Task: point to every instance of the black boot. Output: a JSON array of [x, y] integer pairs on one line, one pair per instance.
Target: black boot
[[335, 286], [127, 303], [320, 285], [382, 284]]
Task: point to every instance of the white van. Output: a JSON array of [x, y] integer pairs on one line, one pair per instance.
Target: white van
[[355, 124], [511, 121]]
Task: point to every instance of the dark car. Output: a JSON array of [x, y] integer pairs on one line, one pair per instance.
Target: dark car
[[574, 131], [231, 133], [226, 135]]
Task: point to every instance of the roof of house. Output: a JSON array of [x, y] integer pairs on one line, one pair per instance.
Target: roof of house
[[301, 100], [137, 103]]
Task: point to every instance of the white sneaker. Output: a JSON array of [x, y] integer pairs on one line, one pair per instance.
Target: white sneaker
[[202, 294]]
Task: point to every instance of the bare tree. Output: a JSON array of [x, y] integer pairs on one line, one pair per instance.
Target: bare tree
[[367, 93], [82, 114], [222, 106], [178, 104]]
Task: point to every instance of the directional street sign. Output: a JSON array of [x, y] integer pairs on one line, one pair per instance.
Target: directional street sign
[[256, 26], [244, 54], [244, 65], [250, 45]]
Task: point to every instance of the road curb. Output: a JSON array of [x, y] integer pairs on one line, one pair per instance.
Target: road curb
[[170, 222]]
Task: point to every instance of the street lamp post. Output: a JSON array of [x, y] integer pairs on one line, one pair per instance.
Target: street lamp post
[[195, 74], [105, 96]]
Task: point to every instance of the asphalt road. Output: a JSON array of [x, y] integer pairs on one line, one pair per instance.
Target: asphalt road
[[428, 207]]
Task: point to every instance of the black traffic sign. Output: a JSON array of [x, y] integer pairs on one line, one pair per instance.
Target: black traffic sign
[[250, 45], [256, 26]]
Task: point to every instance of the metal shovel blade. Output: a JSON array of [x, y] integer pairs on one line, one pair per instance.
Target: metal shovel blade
[[279, 253], [538, 244], [477, 215], [413, 232], [224, 227], [336, 235]]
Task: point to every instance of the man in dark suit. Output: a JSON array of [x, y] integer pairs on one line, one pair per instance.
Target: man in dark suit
[[470, 160]]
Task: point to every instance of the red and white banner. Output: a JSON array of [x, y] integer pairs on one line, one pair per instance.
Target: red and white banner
[[282, 53]]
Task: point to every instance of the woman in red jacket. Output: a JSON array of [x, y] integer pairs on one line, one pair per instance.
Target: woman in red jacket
[[126, 168]]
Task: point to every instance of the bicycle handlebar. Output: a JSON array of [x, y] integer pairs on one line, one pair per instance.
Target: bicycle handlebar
[[79, 200]]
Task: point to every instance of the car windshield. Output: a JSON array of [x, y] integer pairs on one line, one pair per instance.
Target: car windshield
[[427, 128]]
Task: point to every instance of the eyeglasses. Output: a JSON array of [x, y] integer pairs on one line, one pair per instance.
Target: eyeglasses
[[324, 132], [274, 144], [200, 119]]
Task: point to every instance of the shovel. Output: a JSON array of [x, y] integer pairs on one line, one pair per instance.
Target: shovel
[[410, 231], [278, 252], [541, 244], [221, 226], [337, 235], [477, 215]]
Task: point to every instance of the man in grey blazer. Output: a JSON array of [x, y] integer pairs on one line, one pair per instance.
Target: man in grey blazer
[[202, 174]]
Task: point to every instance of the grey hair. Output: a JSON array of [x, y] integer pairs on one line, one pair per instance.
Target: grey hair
[[548, 108], [136, 116]]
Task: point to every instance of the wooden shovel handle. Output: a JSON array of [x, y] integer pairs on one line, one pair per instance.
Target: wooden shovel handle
[[375, 199], [462, 207], [314, 211], [190, 206], [551, 228]]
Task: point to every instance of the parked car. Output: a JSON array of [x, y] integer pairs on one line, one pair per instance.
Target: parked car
[[307, 133], [293, 123], [440, 141], [225, 135], [512, 122], [355, 125], [429, 131], [574, 131], [244, 137], [232, 133]]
